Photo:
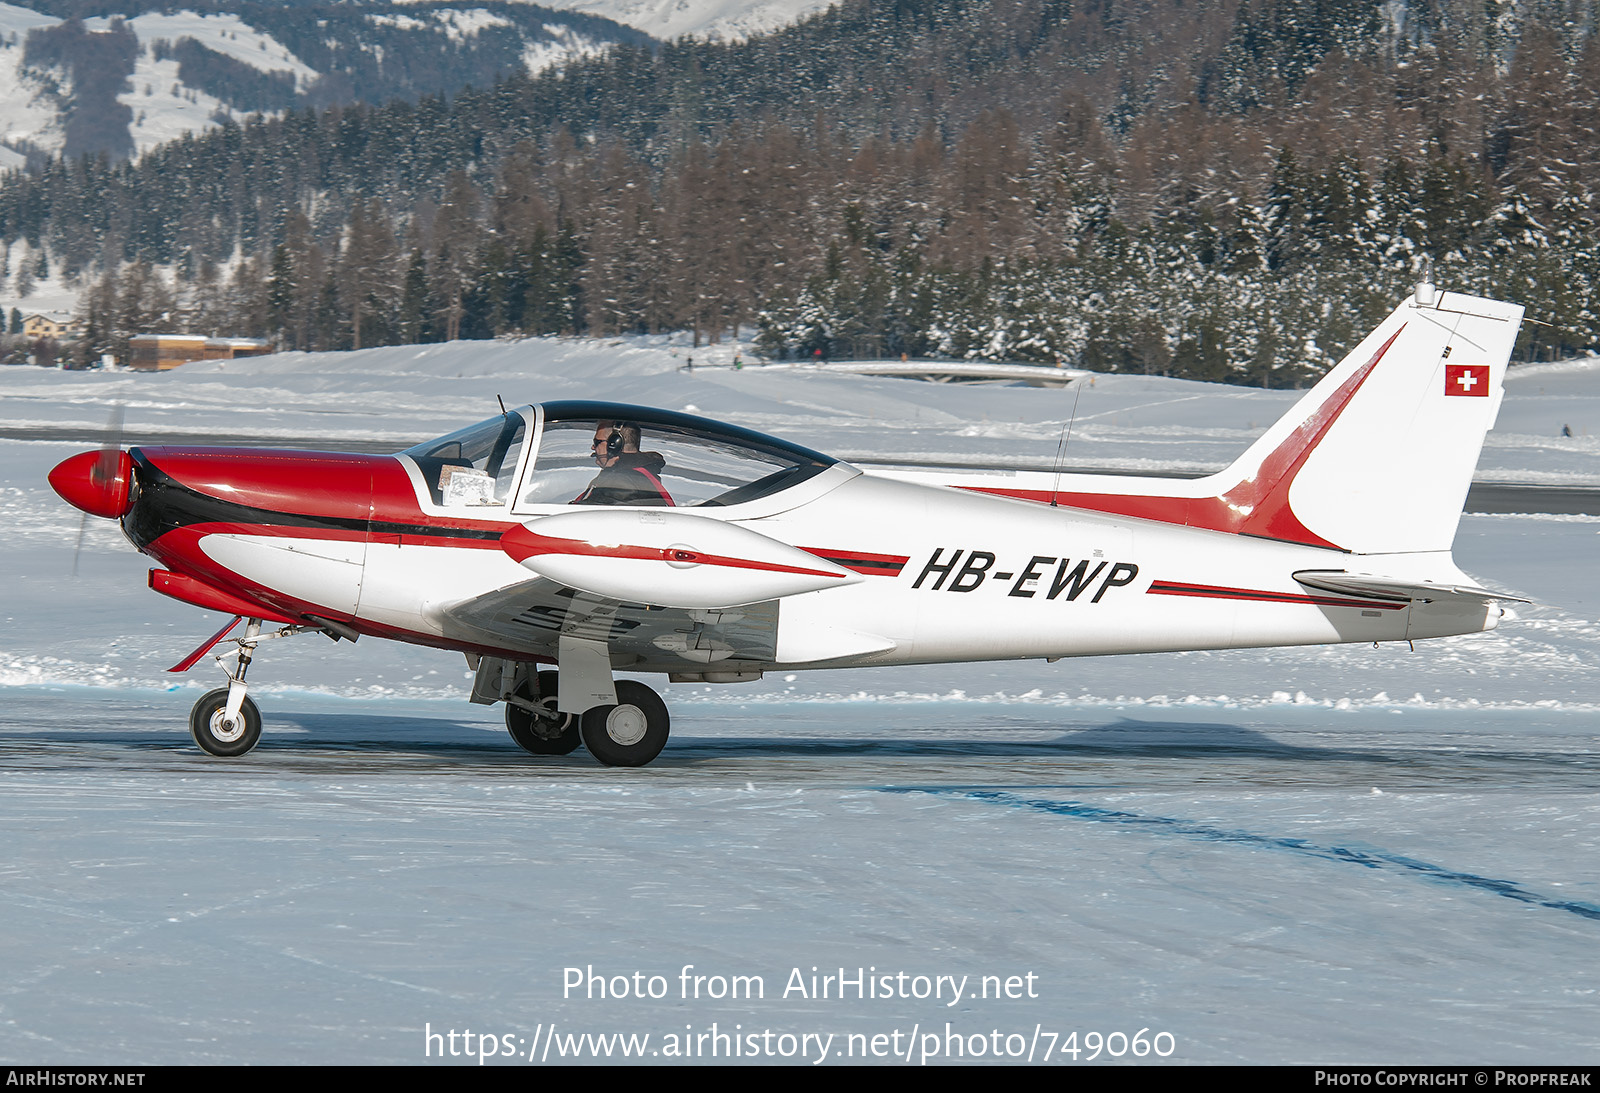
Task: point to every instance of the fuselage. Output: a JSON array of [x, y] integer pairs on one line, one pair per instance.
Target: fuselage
[[943, 574]]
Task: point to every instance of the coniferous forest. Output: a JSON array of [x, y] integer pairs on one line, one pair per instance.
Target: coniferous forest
[[1220, 189]]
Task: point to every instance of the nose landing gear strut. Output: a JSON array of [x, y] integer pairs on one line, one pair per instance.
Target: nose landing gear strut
[[226, 721]]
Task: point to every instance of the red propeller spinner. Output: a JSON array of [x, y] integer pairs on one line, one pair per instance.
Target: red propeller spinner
[[100, 483]]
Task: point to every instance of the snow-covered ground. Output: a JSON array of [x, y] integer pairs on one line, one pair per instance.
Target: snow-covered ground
[[1344, 854]]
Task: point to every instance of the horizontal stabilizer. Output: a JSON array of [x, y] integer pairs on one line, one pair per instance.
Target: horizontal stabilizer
[[1394, 588]]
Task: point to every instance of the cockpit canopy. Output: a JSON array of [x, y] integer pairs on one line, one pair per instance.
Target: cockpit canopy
[[609, 453]]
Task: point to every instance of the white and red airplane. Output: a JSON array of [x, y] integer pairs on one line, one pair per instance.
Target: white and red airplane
[[595, 538]]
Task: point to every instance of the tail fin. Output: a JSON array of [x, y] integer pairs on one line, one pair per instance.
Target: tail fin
[[1375, 459], [1378, 456]]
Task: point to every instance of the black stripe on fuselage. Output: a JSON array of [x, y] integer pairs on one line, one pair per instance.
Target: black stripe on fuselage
[[164, 504]]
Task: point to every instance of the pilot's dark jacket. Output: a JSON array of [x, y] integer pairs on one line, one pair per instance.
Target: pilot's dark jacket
[[634, 479]]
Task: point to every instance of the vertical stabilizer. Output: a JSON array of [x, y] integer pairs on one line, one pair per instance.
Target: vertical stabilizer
[[1377, 458]]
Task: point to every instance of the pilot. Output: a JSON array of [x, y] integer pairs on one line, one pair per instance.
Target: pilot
[[627, 475]]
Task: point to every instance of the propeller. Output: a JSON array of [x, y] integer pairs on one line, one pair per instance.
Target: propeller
[[104, 472]]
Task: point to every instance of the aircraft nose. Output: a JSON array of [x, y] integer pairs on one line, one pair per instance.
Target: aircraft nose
[[100, 483]]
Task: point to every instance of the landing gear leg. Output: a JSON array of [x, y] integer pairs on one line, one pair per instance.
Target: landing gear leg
[[226, 722]]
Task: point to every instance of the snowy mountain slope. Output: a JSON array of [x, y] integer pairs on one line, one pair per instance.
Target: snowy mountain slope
[[224, 33], [726, 19], [27, 111], [163, 108], [382, 50]]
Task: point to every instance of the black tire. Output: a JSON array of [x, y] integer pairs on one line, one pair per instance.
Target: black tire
[[205, 725], [539, 736], [632, 732]]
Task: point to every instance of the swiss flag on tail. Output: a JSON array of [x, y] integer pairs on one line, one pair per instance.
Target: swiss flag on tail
[[1471, 380]]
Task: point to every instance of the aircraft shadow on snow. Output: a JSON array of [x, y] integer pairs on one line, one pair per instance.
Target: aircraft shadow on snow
[[449, 740]]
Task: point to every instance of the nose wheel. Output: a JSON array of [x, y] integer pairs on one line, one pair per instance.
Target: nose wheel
[[219, 733]]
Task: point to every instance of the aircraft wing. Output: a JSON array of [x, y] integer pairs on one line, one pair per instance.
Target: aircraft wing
[[661, 591], [1395, 588], [533, 616]]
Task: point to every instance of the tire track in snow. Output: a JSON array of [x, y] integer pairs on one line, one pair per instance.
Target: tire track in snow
[[1368, 858]]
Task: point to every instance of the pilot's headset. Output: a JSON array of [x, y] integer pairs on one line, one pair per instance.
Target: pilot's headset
[[614, 442]]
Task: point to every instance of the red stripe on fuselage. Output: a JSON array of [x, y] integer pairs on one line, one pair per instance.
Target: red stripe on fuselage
[[1223, 592], [522, 544], [187, 589], [180, 548], [860, 561]]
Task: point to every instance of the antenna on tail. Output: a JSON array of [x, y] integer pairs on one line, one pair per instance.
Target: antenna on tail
[[1066, 435]]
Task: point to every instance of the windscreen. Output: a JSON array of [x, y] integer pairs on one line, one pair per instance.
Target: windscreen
[[472, 467]]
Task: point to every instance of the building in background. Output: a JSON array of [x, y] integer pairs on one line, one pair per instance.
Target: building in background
[[40, 325], [159, 352]]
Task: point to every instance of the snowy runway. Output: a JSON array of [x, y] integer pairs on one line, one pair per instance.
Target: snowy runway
[[1286, 885]]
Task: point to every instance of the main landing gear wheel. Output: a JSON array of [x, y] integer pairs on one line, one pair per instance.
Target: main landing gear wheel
[[215, 733], [632, 732], [556, 734]]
